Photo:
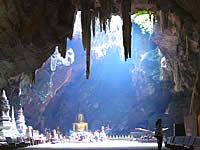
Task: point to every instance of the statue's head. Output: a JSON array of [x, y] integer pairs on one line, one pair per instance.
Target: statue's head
[[80, 117]]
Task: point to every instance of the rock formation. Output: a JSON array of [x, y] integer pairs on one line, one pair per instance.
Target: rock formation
[[195, 100], [29, 33]]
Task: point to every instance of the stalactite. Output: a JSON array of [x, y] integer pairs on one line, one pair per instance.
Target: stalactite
[[86, 33], [165, 21], [104, 13], [99, 15], [177, 78], [149, 16], [93, 24], [108, 11], [154, 23], [87, 63], [63, 47], [126, 9], [168, 21], [109, 20], [161, 21], [186, 47], [104, 25], [195, 103], [33, 77]]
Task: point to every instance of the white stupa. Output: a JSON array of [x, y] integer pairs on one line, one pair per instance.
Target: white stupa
[[20, 122], [5, 120], [14, 127]]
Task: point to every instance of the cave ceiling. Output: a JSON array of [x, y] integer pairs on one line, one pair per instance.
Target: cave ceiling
[[30, 29]]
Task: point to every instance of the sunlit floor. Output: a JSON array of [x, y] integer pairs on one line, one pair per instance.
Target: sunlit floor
[[99, 145]]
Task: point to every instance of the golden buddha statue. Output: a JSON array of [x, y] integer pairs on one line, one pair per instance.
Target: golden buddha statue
[[80, 125]]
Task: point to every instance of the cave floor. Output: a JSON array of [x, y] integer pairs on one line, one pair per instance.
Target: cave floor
[[96, 146]]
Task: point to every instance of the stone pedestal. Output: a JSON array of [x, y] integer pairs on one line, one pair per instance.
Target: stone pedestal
[[5, 131], [29, 132]]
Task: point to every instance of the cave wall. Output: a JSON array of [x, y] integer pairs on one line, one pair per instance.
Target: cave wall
[[195, 103], [177, 35], [29, 31]]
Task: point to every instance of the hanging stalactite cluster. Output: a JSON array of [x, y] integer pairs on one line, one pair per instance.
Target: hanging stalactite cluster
[[101, 9], [186, 47], [89, 13], [104, 13], [164, 20]]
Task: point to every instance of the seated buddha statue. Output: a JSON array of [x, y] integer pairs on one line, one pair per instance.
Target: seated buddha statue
[[80, 125]]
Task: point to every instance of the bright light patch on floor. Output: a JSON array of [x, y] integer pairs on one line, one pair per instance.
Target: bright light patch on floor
[[99, 145]]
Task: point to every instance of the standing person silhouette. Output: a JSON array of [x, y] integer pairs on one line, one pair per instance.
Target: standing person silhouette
[[159, 133]]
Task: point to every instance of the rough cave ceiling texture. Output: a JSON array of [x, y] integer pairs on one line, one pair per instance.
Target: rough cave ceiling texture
[[30, 29]]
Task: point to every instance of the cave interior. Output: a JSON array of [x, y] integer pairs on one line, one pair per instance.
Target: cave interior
[[62, 57]]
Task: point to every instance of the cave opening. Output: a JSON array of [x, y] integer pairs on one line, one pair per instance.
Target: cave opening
[[117, 91]]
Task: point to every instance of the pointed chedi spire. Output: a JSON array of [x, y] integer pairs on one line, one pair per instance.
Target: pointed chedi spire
[[6, 126], [20, 122], [4, 94], [14, 126]]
